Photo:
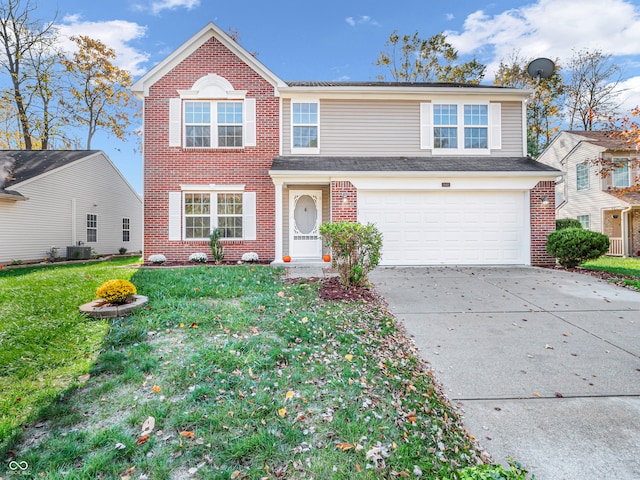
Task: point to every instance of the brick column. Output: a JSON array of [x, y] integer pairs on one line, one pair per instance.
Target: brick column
[[543, 222], [344, 202]]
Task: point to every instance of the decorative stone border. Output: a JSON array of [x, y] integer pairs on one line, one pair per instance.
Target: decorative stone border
[[98, 309]]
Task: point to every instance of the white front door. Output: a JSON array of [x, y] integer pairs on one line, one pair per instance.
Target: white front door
[[305, 216]]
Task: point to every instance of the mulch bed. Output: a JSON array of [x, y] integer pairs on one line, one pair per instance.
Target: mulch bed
[[331, 289]]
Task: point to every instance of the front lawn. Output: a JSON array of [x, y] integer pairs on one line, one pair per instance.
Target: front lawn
[[229, 373], [626, 269]]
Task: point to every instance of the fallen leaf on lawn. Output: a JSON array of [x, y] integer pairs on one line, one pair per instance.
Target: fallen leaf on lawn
[[280, 294], [181, 325], [84, 378], [120, 446], [344, 446], [412, 417], [236, 475], [358, 467], [348, 357], [156, 388], [282, 412], [289, 395], [187, 434], [417, 471], [304, 320], [194, 325], [142, 439], [148, 426]]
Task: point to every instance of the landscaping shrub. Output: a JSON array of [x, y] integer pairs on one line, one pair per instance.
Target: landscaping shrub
[[355, 248], [157, 259], [116, 291], [217, 250], [562, 223], [198, 257], [572, 246]]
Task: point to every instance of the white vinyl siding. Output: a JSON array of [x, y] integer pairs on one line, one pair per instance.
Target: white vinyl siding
[[397, 128], [94, 186]]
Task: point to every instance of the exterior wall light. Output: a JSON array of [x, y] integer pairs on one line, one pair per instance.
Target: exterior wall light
[[544, 201]]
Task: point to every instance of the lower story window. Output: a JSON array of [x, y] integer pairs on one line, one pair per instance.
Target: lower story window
[[92, 227], [200, 218], [584, 221], [126, 229]]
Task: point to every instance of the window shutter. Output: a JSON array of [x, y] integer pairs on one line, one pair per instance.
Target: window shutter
[[175, 215], [250, 122], [495, 125], [249, 215], [426, 126], [175, 122]]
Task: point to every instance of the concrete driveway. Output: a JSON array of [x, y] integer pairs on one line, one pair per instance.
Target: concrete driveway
[[544, 364]]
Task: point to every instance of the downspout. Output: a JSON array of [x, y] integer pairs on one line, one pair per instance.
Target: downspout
[[625, 232]]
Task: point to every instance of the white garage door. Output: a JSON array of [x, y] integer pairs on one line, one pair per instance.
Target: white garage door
[[433, 228]]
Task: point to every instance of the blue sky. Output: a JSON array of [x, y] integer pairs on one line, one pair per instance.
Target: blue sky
[[341, 40]]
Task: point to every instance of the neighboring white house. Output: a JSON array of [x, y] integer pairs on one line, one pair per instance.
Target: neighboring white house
[[63, 198], [602, 204]]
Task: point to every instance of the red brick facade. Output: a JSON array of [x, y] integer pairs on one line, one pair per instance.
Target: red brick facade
[[543, 222], [344, 202], [165, 168]]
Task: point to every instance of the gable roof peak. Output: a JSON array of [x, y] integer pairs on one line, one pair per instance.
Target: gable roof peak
[[141, 87]]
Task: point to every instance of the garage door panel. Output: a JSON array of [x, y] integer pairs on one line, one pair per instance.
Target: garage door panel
[[426, 228]]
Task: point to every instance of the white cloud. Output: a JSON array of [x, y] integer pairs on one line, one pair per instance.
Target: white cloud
[[116, 34], [449, 16], [630, 96], [361, 20], [158, 6], [553, 29]]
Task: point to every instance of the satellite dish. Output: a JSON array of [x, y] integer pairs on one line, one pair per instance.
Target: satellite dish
[[541, 68]]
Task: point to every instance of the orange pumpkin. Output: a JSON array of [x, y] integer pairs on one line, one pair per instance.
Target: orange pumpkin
[[327, 257], [286, 258]]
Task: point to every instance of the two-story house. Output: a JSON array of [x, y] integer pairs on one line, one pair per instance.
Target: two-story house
[[441, 169], [598, 197]]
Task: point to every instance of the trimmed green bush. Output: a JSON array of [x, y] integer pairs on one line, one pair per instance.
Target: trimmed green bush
[[217, 250], [562, 223], [355, 248], [572, 246]]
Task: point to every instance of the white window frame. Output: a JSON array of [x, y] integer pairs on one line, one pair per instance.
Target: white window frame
[[492, 126], [92, 226], [582, 172], [177, 211], [305, 150], [585, 221], [213, 124], [126, 229], [616, 169]]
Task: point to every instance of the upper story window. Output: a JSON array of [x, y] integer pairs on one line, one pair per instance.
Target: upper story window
[[212, 114], [213, 124], [620, 176], [582, 176], [304, 127], [460, 128]]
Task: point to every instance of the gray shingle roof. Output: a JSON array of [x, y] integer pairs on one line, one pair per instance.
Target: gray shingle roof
[[410, 164], [312, 83], [604, 139], [19, 165]]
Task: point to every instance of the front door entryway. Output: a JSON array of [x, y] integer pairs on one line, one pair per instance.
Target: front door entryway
[[305, 216]]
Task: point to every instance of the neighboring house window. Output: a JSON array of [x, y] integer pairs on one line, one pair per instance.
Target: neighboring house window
[[620, 175], [126, 229], [460, 128], [584, 221], [213, 124], [92, 227], [200, 218], [304, 122], [582, 176]]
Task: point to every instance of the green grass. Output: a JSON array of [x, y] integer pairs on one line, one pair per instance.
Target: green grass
[[244, 375], [628, 269]]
